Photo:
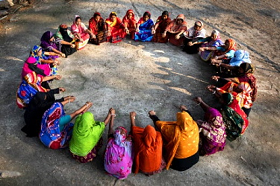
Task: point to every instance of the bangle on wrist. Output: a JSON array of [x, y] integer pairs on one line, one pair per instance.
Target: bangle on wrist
[[214, 92], [113, 115], [198, 103]]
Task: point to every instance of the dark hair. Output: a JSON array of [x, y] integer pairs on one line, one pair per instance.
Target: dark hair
[[165, 13], [147, 14], [76, 19]]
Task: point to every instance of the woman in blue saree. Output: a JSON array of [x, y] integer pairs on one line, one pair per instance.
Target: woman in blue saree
[[144, 28]]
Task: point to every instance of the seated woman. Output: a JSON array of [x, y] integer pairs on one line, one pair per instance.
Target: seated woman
[[42, 58], [181, 139], [98, 28], [34, 111], [129, 23], [242, 93], [175, 29], [81, 32], [212, 136], [30, 66], [144, 28], [233, 116], [67, 39], [193, 35], [148, 148], [245, 74], [30, 85], [50, 44], [115, 26], [224, 52], [118, 158], [213, 41], [160, 26], [56, 129], [87, 137], [230, 66]]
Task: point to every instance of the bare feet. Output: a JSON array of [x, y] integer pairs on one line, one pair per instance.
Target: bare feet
[[132, 115]]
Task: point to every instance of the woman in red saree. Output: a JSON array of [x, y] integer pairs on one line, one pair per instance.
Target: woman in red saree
[[175, 29], [98, 28], [116, 31], [129, 23], [160, 26]]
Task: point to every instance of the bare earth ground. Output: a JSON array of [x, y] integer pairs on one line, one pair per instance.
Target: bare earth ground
[[143, 76]]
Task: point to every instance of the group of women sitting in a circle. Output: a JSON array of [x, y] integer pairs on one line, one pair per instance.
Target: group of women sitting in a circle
[[167, 144]]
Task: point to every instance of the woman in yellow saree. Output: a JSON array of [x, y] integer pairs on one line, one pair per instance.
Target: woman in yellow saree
[[181, 140]]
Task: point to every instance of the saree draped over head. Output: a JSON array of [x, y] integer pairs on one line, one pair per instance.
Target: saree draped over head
[[249, 78], [212, 133], [49, 69], [181, 137], [31, 66], [234, 117], [30, 85], [63, 33], [98, 28], [145, 29], [174, 28], [206, 55], [148, 149], [118, 158], [228, 52], [240, 56], [86, 134], [130, 23], [47, 44], [80, 30], [51, 135], [35, 110], [115, 28]]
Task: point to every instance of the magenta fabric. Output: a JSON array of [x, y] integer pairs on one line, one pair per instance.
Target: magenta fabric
[[212, 132], [118, 155], [31, 60]]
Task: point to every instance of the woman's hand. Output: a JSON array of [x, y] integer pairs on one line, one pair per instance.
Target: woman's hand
[[152, 113], [177, 36], [164, 34], [132, 115], [112, 112], [190, 43], [62, 55], [73, 45], [57, 77], [61, 89], [201, 49], [216, 78], [153, 31], [198, 100]]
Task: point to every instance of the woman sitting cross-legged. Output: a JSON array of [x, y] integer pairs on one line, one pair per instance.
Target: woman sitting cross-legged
[[118, 158], [212, 130], [56, 129], [144, 28], [181, 140], [148, 148], [87, 136], [160, 26]]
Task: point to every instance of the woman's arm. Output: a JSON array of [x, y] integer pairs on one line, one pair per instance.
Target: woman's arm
[[200, 102], [112, 112], [47, 78], [108, 117]]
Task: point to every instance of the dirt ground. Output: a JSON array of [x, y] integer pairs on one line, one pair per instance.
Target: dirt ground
[[144, 76]]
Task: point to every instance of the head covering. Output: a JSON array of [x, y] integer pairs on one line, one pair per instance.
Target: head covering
[[29, 66], [181, 16], [217, 34], [118, 154], [113, 14], [50, 134], [77, 17], [86, 134], [45, 40], [132, 20], [148, 149], [240, 56], [96, 14], [228, 98], [181, 136], [199, 23], [231, 46]]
